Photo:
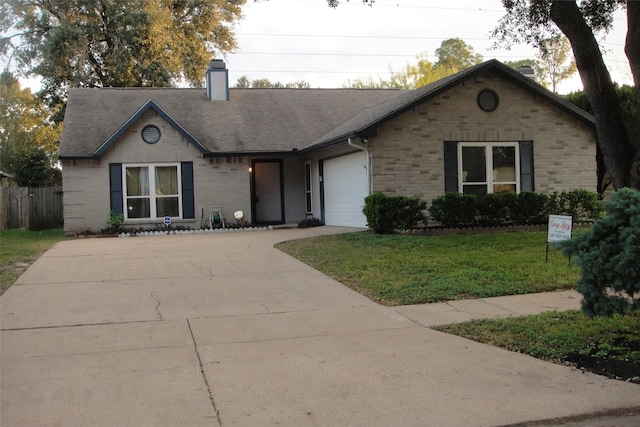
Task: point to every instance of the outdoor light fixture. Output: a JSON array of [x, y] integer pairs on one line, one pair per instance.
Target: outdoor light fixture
[[364, 139]]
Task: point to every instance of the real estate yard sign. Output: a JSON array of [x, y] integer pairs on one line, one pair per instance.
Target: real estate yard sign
[[559, 229]]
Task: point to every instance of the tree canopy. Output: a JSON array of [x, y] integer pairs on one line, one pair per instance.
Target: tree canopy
[[245, 83], [452, 56], [555, 62], [531, 21], [112, 43], [26, 133]]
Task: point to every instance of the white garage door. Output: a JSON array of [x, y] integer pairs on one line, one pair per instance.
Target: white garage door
[[345, 187]]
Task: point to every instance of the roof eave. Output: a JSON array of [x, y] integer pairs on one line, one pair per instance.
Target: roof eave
[[211, 154]]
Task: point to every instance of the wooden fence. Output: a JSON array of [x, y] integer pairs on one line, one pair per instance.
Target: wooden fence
[[31, 208]]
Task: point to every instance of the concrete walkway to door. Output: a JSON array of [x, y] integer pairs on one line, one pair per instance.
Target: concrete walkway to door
[[225, 330]]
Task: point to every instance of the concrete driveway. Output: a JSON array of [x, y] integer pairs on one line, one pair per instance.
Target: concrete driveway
[[225, 330]]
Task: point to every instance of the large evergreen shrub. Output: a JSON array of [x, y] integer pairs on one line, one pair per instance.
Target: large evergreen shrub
[[609, 257]]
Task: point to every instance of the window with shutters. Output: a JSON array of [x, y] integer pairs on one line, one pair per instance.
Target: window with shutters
[[488, 168], [152, 191]]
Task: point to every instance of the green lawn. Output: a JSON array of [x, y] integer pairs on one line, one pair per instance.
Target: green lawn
[[405, 269], [605, 345], [23, 246]]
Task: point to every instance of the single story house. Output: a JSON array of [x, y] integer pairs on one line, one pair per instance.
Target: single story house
[[284, 155]]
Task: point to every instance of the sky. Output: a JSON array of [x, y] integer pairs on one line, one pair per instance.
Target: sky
[[293, 40]]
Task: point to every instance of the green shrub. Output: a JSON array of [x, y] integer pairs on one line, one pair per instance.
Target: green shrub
[[608, 256], [385, 214], [582, 205], [114, 223], [455, 210], [529, 208], [493, 209]]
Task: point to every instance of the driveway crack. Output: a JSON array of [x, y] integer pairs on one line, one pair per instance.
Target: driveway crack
[[204, 377], [158, 302]]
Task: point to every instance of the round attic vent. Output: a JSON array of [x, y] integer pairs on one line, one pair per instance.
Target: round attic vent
[[488, 100], [151, 134]]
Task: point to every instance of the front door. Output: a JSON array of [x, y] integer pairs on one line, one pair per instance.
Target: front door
[[268, 200]]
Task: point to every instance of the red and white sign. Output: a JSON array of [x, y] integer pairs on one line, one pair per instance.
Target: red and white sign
[[559, 228]]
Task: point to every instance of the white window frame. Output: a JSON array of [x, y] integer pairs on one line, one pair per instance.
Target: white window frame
[[308, 187], [489, 182], [153, 214]]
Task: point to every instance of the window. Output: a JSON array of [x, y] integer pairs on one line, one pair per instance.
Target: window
[[152, 191], [307, 186], [488, 168]]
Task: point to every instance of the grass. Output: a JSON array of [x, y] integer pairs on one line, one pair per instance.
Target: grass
[[23, 246], [400, 269], [606, 345], [553, 335]]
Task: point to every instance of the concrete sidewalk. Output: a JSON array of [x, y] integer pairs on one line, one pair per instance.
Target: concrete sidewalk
[[224, 330]]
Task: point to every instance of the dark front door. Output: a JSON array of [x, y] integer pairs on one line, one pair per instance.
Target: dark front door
[[268, 200]]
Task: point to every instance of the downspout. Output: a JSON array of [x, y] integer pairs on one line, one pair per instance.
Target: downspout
[[368, 162]]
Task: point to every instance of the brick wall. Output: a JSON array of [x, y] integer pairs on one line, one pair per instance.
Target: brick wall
[[408, 152]]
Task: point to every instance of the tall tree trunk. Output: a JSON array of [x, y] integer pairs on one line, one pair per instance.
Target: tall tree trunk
[[612, 136], [632, 49]]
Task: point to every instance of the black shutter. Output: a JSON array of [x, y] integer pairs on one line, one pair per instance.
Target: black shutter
[[115, 188], [188, 205], [451, 167], [526, 166]]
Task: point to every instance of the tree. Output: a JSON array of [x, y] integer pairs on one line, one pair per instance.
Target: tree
[[112, 43], [627, 97], [453, 55], [245, 83], [25, 131], [555, 63], [34, 169], [522, 63], [531, 21], [608, 255]]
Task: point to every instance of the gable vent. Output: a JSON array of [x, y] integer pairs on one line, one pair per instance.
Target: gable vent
[[488, 100]]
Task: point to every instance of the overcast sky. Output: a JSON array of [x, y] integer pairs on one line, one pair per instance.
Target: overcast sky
[[292, 40]]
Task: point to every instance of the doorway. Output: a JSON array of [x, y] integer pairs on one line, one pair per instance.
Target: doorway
[[267, 198]]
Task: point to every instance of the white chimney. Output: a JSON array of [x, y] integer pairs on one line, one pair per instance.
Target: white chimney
[[217, 81]]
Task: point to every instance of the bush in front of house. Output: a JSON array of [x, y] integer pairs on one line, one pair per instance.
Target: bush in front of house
[[582, 205], [494, 209], [385, 214], [608, 257], [529, 208], [455, 210]]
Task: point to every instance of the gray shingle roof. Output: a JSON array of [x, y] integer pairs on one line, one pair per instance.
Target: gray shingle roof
[[253, 120], [260, 120]]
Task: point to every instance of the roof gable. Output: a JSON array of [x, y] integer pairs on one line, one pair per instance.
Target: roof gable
[[150, 104], [365, 123]]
